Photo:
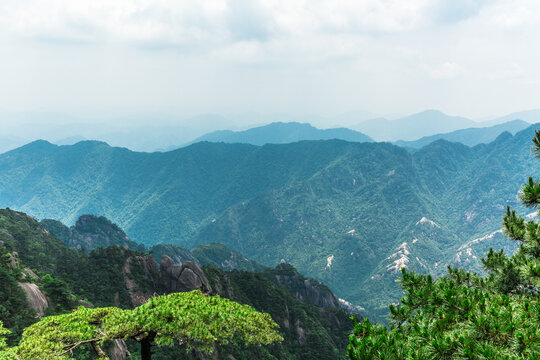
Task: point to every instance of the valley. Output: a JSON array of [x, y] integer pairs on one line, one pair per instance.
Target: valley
[[347, 214]]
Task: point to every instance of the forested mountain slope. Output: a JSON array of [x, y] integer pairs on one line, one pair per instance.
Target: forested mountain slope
[[349, 214], [91, 232], [39, 275]]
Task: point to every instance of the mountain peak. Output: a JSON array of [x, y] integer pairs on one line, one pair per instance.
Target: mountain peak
[[283, 133]]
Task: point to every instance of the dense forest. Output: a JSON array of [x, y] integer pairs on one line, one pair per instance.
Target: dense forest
[[41, 276], [463, 315], [344, 213]]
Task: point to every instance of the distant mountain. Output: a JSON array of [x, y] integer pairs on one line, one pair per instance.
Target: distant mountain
[[283, 133], [530, 116], [220, 256], [414, 126], [348, 214], [469, 137], [91, 232]]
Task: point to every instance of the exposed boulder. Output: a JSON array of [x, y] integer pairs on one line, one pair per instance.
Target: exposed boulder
[[141, 269], [35, 298], [305, 289], [13, 259], [28, 273], [187, 276], [177, 253]]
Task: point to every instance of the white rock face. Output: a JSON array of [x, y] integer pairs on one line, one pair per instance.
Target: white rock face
[[347, 305], [465, 252], [477, 240], [425, 220], [400, 258], [35, 298], [329, 261]]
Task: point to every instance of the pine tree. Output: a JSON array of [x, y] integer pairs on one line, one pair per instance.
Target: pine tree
[[191, 319], [463, 315]]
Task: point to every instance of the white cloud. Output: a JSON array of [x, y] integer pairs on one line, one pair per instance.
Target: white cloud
[[179, 22], [380, 55], [447, 70]]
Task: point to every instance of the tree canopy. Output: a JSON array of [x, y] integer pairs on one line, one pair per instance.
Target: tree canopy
[[192, 319], [464, 315]]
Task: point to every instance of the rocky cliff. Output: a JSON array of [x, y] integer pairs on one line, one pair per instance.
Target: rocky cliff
[[91, 232]]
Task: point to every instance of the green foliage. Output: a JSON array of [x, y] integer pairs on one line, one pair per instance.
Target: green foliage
[[3, 332], [310, 332], [56, 336], [14, 312], [463, 315], [36, 247], [296, 202], [58, 292], [98, 277], [91, 232], [193, 319]]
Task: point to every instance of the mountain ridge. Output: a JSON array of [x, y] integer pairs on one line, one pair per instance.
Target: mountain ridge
[[282, 133], [470, 137], [335, 210]]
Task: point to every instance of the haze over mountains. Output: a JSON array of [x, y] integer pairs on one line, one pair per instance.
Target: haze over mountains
[[155, 132], [431, 122], [349, 214], [469, 137], [283, 133]]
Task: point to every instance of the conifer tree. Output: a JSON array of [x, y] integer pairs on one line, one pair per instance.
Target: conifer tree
[[191, 319], [463, 315]]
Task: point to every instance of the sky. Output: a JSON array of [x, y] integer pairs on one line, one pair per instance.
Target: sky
[[312, 58]]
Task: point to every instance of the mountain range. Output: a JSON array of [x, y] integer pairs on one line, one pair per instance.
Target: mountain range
[[348, 214], [40, 276], [161, 132], [431, 122], [283, 133], [469, 137], [91, 232]]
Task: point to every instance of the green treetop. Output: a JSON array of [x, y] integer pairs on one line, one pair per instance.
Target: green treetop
[[463, 315], [192, 319], [3, 331]]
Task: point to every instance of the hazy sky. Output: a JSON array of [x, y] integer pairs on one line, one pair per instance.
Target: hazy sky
[[316, 57]]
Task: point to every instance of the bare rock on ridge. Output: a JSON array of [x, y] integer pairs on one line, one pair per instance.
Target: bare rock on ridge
[[187, 276], [35, 298]]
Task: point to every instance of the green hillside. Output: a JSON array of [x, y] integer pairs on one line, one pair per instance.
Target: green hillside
[[348, 214], [31, 257], [91, 232]]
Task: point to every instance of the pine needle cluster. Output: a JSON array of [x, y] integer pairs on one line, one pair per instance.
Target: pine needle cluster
[[463, 315]]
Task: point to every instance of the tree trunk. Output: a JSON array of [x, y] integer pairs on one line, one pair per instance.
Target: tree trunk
[[99, 351], [146, 347]]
